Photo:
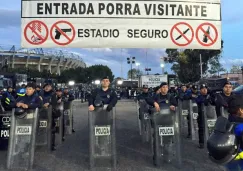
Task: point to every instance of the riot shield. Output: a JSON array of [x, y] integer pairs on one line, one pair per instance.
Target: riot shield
[[138, 117], [68, 117], [43, 139], [22, 139], [184, 112], [192, 117], [59, 127], [224, 112], [5, 123], [209, 117], [145, 121], [102, 138], [166, 142]]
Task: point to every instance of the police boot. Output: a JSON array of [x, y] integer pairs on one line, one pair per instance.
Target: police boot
[[73, 130], [53, 147]]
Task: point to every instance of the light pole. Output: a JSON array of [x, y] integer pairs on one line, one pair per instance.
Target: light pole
[[163, 67], [138, 64], [147, 69], [131, 60], [242, 73]]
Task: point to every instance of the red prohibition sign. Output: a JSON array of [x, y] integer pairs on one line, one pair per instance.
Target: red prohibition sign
[[69, 39], [200, 28], [175, 27], [38, 35]]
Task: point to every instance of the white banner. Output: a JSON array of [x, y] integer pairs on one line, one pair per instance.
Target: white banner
[[122, 24], [153, 80]]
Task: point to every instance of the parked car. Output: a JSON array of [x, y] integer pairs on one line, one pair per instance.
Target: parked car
[[238, 90]]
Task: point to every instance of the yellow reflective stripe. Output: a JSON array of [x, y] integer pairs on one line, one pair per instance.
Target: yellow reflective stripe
[[6, 102], [20, 94], [239, 156], [8, 99]]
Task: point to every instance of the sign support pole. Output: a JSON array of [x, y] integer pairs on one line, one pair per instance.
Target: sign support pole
[[201, 65]]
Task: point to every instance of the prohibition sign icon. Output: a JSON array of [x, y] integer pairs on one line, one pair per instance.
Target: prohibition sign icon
[[206, 34], [182, 34], [62, 33], [36, 27]]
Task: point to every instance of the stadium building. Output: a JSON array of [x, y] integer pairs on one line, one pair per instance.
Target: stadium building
[[53, 60]]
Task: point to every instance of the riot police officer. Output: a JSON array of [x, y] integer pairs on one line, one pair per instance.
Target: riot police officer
[[57, 111], [29, 100], [21, 91], [48, 98], [68, 97], [47, 94], [193, 94], [173, 91], [201, 99], [145, 94], [156, 91], [222, 99], [182, 92], [38, 90], [107, 95], [8, 100], [163, 98], [222, 144]]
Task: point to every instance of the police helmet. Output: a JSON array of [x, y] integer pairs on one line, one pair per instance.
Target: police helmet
[[223, 146], [20, 112], [145, 86]]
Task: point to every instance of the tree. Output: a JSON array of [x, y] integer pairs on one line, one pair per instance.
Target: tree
[[86, 75], [215, 66], [186, 63], [235, 69], [135, 73], [95, 72]]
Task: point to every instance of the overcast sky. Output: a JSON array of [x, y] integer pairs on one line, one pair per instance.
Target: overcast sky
[[232, 28]]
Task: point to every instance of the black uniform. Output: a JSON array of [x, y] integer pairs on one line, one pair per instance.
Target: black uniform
[[68, 98], [173, 92], [201, 100], [143, 96], [50, 97], [108, 97], [221, 100], [8, 101], [32, 101], [162, 99]]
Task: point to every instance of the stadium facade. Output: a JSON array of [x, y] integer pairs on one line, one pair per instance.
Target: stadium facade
[[54, 60]]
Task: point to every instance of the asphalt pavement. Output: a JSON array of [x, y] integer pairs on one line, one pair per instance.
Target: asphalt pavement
[[132, 154]]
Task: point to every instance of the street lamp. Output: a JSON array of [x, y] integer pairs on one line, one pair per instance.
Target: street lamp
[[119, 82], [131, 60], [71, 83], [163, 67], [147, 69], [97, 82], [138, 64]]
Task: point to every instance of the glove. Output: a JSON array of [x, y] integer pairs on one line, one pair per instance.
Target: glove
[[109, 108]]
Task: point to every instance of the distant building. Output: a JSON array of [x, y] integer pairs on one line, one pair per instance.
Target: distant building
[[233, 77], [53, 60]]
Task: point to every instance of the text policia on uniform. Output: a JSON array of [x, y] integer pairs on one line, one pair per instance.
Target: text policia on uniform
[[114, 9]]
